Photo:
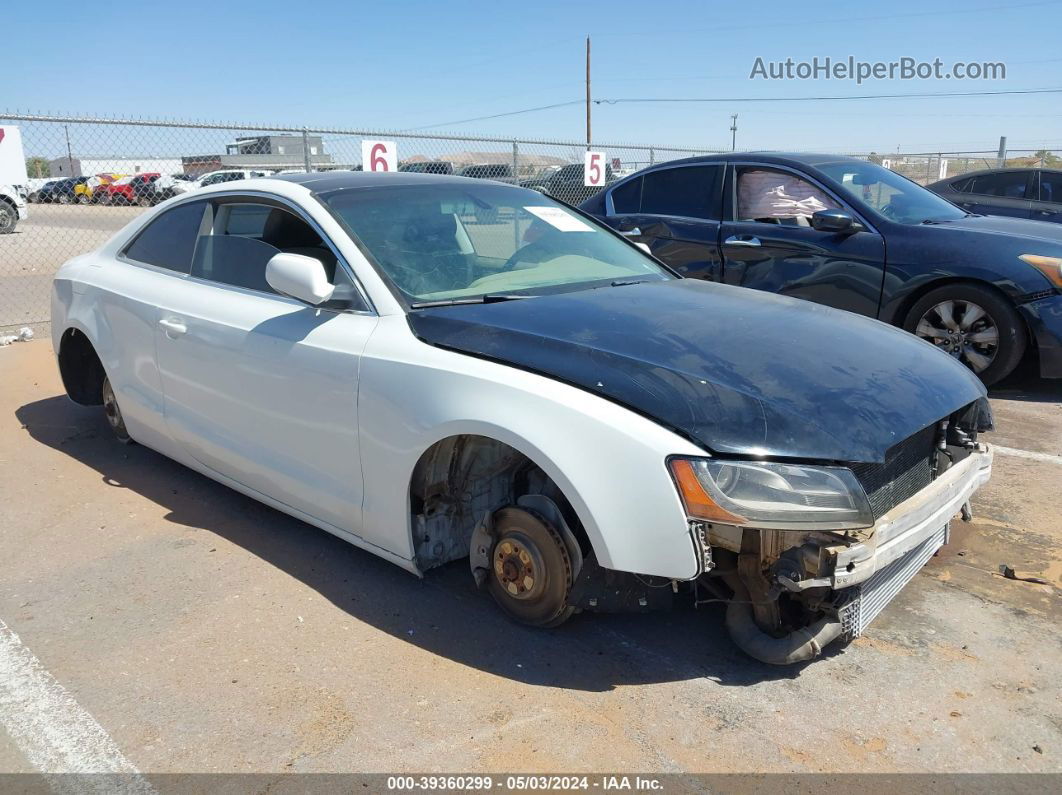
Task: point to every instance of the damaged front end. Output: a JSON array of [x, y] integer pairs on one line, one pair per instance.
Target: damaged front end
[[806, 554]]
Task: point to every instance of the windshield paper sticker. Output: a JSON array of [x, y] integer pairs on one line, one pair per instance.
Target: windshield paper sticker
[[557, 218]]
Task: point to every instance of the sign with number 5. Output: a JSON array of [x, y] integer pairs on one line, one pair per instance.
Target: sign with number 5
[[594, 169], [379, 156]]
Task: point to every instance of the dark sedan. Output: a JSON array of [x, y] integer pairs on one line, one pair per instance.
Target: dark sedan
[[850, 234], [60, 191], [1034, 193]]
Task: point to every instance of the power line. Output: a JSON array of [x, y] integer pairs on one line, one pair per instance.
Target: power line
[[829, 98], [737, 99], [499, 115]]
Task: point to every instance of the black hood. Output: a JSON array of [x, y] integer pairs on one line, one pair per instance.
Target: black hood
[[735, 370]]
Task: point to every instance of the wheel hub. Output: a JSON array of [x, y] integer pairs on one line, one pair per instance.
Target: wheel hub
[[518, 567]]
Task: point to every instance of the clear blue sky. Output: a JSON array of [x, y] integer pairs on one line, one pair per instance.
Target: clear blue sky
[[402, 65]]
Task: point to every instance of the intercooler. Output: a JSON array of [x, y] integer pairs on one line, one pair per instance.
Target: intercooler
[[863, 602]]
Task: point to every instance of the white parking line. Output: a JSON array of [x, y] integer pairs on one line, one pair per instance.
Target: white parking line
[[1051, 459], [55, 734]]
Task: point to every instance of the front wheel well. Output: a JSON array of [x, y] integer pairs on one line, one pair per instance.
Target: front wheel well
[[80, 368], [905, 306], [458, 480]]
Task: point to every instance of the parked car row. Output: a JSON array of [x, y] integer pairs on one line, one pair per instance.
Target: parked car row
[[145, 189]]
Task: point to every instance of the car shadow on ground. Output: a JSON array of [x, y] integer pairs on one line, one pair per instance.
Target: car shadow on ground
[[1026, 385], [442, 614]]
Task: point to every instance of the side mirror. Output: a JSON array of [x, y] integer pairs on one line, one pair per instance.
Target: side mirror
[[645, 247], [837, 221], [300, 277]]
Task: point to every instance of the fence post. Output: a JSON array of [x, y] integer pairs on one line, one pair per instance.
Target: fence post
[[306, 150], [652, 156], [516, 176]]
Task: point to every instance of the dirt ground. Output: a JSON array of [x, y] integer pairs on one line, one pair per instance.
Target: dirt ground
[[205, 632]]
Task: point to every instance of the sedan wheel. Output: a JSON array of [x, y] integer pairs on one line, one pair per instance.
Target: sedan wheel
[[963, 329], [974, 324], [113, 413], [531, 570], [64, 198]]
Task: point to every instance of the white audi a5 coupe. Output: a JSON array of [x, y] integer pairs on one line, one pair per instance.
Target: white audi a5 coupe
[[436, 368]]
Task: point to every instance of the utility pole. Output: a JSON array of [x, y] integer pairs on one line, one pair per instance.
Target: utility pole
[[733, 131], [69, 155], [587, 92]]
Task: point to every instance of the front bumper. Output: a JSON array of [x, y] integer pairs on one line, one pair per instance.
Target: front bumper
[[911, 523], [1044, 318]]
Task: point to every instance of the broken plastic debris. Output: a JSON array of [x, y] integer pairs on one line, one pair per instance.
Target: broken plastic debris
[[1010, 574], [25, 333]]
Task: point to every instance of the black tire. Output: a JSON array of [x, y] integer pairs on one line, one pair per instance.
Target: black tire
[[114, 413], [531, 571], [8, 218], [84, 198], [991, 345]]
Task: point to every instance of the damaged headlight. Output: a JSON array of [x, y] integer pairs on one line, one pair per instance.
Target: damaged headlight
[[771, 495]]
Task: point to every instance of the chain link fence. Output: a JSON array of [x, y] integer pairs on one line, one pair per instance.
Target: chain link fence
[[88, 177], [928, 167], [85, 178]]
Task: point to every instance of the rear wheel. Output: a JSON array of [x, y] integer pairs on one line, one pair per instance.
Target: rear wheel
[[974, 324], [113, 413], [531, 570], [8, 218]]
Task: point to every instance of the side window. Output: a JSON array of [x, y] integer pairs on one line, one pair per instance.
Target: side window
[[627, 198], [1051, 187], [169, 240], [1008, 184], [244, 237], [962, 185], [689, 191], [779, 197]]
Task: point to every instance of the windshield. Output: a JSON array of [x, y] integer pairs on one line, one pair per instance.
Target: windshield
[[890, 195], [454, 241]]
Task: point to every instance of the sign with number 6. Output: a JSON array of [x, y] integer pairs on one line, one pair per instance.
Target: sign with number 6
[[379, 156], [594, 169]]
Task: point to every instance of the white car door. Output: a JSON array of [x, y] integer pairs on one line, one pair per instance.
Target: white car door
[[257, 386]]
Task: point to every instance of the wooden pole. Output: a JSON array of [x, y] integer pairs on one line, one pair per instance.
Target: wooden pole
[[588, 91]]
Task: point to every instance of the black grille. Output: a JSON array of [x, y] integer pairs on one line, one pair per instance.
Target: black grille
[[908, 469]]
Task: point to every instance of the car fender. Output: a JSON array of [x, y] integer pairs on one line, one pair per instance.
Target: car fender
[[608, 461]]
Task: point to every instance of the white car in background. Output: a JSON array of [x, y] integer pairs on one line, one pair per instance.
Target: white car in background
[[531, 392], [215, 178]]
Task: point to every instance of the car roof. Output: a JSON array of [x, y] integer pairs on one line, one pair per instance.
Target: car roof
[[323, 181], [778, 158], [1005, 170]]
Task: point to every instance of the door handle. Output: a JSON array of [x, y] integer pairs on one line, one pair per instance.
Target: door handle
[[734, 240], [173, 327], [636, 232]]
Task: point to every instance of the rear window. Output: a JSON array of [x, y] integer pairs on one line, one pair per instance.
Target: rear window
[[1009, 184], [169, 241], [688, 191]]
